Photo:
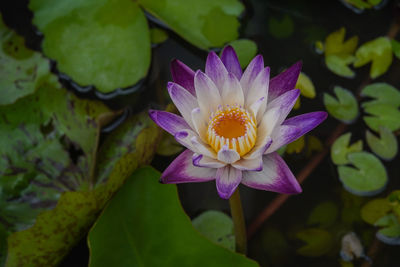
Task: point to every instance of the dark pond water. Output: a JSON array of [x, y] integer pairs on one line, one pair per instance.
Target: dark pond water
[[275, 243]]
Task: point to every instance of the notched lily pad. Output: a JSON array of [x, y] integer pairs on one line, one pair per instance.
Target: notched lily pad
[[139, 213], [382, 93], [341, 148], [390, 232], [324, 214], [21, 68], [386, 146], [217, 227], [367, 179], [318, 242], [206, 23], [104, 43], [396, 48], [382, 115], [344, 108], [339, 54], [377, 51], [375, 209]]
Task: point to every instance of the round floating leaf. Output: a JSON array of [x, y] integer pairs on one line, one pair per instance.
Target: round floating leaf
[[375, 209], [386, 146], [390, 233], [339, 54], [158, 35], [21, 68], [104, 43], [217, 227], [370, 177], [318, 242], [396, 48], [383, 115], [305, 85], [383, 93], [377, 51], [338, 64], [323, 215], [281, 29], [147, 224], [340, 149], [245, 49], [206, 24], [344, 108]]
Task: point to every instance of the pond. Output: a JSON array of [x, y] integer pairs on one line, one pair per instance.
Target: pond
[[81, 158]]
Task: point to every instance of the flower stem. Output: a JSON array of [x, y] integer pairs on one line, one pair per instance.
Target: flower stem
[[238, 222]]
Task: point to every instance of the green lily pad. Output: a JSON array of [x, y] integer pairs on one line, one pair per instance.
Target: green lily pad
[[21, 68], [385, 146], [367, 179], [340, 149], [217, 227], [377, 51], [104, 43], [168, 146], [274, 245], [383, 93], [158, 35], [324, 214], [281, 28], [382, 115], [390, 231], [375, 209], [318, 242], [206, 23], [339, 54], [145, 219], [396, 48], [296, 146], [36, 134], [344, 108], [245, 49], [56, 231]]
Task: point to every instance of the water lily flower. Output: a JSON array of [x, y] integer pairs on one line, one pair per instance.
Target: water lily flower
[[233, 123]]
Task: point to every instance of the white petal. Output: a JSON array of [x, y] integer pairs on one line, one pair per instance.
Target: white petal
[[202, 148], [255, 164], [258, 108], [204, 161], [199, 124], [285, 103], [227, 180], [251, 72], [184, 101], [259, 88], [228, 155], [216, 70], [208, 96], [282, 135], [259, 148], [232, 92]]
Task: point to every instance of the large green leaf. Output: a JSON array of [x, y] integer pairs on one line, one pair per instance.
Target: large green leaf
[[339, 54], [340, 149], [37, 133], [217, 227], [382, 115], [149, 227], [386, 146], [344, 108], [57, 230], [21, 69], [281, 28], [377, 51], [382, 93], [367, 179], [105, 43], [206, 23], [245, 49]]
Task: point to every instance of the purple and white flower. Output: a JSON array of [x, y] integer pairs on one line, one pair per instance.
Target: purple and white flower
[[232, 124]]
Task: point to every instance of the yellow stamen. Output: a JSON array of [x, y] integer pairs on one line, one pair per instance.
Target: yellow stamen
[[232, 126]]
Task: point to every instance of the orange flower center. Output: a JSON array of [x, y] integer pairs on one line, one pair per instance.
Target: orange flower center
[[232, 126]]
